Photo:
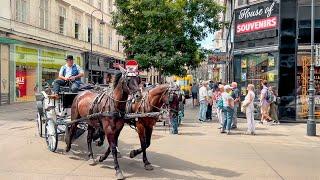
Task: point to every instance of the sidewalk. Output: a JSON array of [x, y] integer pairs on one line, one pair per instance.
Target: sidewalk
[[199, 152], [25, 111]]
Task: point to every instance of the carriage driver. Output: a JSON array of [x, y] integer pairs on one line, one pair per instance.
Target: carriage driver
[[70, 72]]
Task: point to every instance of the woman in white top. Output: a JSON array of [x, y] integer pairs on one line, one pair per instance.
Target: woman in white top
[[248, 104]]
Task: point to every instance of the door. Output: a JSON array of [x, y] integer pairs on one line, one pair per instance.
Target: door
[[4, 75]]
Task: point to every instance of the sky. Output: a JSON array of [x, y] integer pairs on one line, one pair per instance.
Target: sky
[[208, 42]]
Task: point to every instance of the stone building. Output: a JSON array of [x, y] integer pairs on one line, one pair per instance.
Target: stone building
[[36, 35]]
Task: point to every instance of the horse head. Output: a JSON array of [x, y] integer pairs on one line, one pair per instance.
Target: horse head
[[129, 83]]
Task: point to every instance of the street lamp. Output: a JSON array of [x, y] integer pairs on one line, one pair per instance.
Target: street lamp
[[311, 123], [91, 39]]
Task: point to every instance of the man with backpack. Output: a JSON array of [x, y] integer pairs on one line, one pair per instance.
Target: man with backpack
[[265, 100]]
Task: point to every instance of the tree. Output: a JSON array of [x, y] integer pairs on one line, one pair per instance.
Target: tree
[[164, 34]]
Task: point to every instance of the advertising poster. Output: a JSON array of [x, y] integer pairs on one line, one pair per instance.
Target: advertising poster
[[21, 81], [271, 61]]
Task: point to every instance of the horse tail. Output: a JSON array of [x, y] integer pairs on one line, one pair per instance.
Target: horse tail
[[75, 109]]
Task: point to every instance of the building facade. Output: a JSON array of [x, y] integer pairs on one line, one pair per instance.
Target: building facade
[[36, 36], [272, 42]]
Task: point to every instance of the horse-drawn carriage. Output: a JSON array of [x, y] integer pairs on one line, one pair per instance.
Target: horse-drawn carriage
[[54, 115], [103, 112]]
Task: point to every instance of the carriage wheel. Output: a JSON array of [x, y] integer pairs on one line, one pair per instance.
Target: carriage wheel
[[39, 124], [51, 135]]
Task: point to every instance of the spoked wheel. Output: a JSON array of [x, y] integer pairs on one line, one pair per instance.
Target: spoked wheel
[[39, 124], [51, 135]]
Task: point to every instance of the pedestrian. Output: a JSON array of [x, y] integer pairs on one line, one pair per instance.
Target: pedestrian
[[203, 95], [249, 109], [228, 105], [236, 97], [194, 92], [274, 105], [209, 109], [182, 102], [174, 112], [265, 99], [217, 99]]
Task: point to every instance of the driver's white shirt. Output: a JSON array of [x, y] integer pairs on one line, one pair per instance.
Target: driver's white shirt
[[69, 70]]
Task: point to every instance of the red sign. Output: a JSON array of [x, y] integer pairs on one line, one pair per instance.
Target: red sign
[[21, 81], [257, 25]]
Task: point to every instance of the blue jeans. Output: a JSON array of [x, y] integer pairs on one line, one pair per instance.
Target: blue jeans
[[59, 82], [174, 123], [228, 115], [203, 110]]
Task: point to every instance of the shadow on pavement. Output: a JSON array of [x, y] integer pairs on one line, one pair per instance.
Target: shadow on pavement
[[165, 165]]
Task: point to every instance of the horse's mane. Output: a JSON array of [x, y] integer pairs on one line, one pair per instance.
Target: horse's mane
[[117, 79]]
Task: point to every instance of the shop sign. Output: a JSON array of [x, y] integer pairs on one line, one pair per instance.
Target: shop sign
[[258, 17]]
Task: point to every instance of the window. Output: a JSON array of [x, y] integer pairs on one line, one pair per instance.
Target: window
[[109, 6], [44, 13], [110, 39], [242, 2], [21, 10], [62, 19], [100, 4], [77, 25], [89, 29], [101, 35]]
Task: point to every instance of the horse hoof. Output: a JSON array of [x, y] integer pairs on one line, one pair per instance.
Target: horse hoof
[[67, 149], [132, 155], [92, 162], [99, 159], [119, 175], [99, 143], [119, 155], [148, 167]]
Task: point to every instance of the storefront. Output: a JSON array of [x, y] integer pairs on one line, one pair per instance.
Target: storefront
[[32, 67], [100, 68], [274, 46]]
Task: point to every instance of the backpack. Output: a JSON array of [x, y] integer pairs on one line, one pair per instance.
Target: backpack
[[220, 103], [269, 97]]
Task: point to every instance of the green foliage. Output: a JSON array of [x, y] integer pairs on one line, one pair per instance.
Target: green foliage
[[165, 33]]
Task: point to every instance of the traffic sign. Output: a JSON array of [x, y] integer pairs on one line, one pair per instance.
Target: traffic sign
[[132, 67]]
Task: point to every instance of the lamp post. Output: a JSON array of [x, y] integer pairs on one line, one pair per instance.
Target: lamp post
[[311, 123], [91, 39]]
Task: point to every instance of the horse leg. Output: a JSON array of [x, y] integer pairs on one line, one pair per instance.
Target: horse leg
[[106, 154], [142, 137], [148, 134], [70, 132], [89, 142]]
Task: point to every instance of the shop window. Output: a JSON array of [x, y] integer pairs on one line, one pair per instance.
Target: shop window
[[21, 10], [258, 67], [44, 13], [26, 63], [303, 70], [62, 19]]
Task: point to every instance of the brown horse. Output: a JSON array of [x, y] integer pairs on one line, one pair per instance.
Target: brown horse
[[113, 102], [152, 102]]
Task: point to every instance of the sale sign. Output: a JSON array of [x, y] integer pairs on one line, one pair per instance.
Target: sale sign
[[257, 25], [21, 82]]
